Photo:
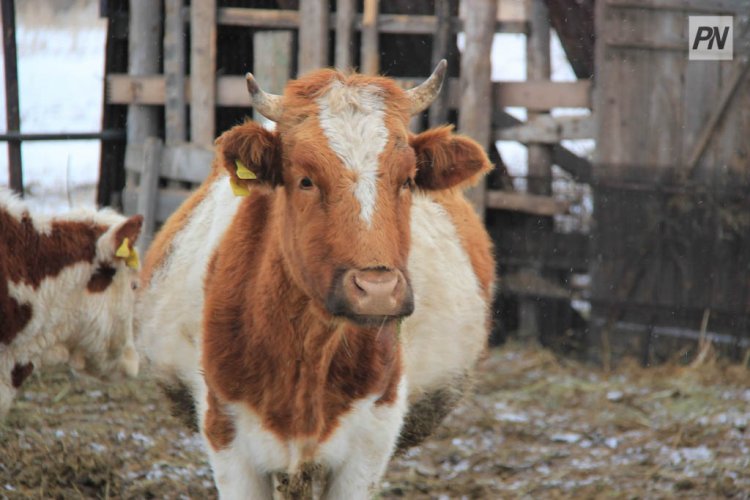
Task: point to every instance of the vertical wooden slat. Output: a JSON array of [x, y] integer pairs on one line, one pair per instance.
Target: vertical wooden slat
[[203, 72], [370, 47], [12, 114], [149, 190], [539, 157], [440, 48], [272, 56], [475, 107], [174, 71], [345, 11], [313, 35]]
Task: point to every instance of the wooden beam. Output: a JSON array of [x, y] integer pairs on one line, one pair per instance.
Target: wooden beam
[[12, 114], [313, 35], [345, 13], [184, 163], [548, 130], [148, 190], [545, 206], [174, 72], [715, 7], [272, 52], [167, 201], [543, 95], [203, 72], [370, 55], [441, 43], [477, 101], [387, 23]]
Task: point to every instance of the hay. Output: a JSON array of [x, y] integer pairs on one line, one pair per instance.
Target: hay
[[537, 426]]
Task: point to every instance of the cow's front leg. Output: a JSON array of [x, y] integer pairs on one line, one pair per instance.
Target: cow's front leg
[[367, 439], [237, 479]]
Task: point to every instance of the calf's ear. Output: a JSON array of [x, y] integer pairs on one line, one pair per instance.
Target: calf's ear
[[446, 160], [251, 155], [119, 241]]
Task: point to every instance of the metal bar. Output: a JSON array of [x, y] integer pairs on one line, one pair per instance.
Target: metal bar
[[12, 115], [104, 135]]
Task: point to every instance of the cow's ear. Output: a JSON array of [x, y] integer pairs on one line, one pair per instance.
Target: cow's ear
[[446, 160], [118, 243], [251, 155]]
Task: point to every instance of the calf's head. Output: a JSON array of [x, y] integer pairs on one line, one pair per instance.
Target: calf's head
[[344, 168]]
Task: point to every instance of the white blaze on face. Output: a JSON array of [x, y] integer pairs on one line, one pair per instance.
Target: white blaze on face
[[353, 121]]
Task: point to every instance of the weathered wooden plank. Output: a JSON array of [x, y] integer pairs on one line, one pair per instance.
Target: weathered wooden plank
[[370, 55], [313, 35], [174, 72], [543, 95], [477, 101], [272, 55], [344, 52], [185, 162], [143, 59], [203, 72], [527, 203], [167, 201], [148, 190], [549, 130], [441, 43], [387, 23], [231, 91], [690, 6]]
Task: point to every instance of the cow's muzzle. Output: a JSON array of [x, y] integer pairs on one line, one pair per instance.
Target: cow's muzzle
[[370, 295]]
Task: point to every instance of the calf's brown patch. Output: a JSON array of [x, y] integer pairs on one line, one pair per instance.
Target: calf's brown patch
[[20, 373]]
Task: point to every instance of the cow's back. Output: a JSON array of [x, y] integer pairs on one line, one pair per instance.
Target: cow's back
[[170, 303], [452, 269]]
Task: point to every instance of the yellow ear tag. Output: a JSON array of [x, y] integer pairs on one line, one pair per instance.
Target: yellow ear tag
[[243, 172], [132, 260], [238, 189], [124, 250]]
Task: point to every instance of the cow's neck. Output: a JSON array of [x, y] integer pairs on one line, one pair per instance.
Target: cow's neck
[[297, 368]]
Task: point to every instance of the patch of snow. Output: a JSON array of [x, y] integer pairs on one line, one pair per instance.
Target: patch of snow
[[98, 448], [612, 442], [695, 454], [615, 396], [566, 437]]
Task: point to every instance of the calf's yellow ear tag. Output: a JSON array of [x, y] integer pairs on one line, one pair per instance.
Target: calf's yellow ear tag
[[132, 260], [124, 250], [243, 172], [238, 189]]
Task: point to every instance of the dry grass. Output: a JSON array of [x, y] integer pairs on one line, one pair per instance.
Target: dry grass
[[537, 427]]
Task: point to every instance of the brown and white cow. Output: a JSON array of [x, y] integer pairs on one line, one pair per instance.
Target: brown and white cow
[[325, 279], [67, 293]]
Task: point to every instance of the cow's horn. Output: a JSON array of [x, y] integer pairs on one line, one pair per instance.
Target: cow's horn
[[268, 105], [422, 96]]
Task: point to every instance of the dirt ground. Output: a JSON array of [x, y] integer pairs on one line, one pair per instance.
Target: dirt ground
[[537, 427]]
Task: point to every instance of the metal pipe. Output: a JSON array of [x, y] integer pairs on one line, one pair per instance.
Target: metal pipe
[[12, 115]]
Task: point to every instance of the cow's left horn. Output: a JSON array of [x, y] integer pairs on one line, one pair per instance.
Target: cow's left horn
[[422, 96], [268, 105]]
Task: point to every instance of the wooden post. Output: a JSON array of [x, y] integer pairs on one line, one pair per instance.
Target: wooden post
[[440, 48], [272, 52], [475, 107], [370, 43], [143, 59], [203, 72], [345, 11], [12, 114], [313, 35], [149, 190], [174, 71], [539, 155]]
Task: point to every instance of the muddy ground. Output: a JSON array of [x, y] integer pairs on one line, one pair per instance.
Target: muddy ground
[[537, 427]]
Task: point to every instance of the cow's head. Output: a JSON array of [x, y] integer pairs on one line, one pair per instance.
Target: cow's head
[[344, 167], [102, 342]]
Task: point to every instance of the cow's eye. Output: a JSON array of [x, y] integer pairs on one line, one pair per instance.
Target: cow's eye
[[306, 183], [408, 184]]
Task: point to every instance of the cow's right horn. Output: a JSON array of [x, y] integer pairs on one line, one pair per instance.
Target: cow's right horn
[[268, 105], [422, 96]]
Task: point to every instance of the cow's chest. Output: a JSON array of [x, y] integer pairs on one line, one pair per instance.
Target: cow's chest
[[359, 434]]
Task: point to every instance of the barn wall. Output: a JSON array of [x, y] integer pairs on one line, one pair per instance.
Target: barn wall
[[671, 242]]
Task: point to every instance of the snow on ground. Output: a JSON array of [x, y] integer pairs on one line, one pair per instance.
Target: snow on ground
[[60, 76]]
